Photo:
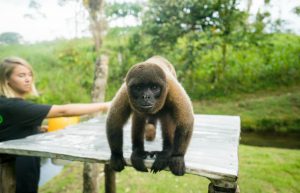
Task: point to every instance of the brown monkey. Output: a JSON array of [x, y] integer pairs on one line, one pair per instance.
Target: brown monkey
[[151, 92]]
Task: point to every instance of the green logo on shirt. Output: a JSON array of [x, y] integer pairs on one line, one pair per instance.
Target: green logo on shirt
[[1, 119]]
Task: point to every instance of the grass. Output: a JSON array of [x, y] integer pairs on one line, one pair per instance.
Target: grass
[[265, 111], [261, 170], [271, 170]]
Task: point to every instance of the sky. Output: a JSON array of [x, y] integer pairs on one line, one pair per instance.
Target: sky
[[54, 21]]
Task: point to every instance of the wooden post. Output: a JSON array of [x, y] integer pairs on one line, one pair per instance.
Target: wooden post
[[91, 177], [110, 179], [219, 189], [7, 174]]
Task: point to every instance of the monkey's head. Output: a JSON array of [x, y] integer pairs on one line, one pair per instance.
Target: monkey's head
[[146, 87]]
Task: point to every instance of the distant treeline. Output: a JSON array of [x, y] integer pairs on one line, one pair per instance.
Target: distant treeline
[[199, 62], [65, 69]]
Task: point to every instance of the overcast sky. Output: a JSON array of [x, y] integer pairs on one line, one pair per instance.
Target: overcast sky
[[56, 21]]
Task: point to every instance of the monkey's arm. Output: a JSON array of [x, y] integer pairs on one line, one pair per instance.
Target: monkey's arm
[[117, 117]]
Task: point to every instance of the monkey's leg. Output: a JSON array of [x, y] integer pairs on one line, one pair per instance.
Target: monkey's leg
[[138, 152], [162, 157], [181, 141], [150, 129]]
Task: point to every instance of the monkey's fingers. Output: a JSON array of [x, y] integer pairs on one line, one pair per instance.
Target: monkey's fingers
[[117, 162], [137, 161], [159, 164], [177, 165]]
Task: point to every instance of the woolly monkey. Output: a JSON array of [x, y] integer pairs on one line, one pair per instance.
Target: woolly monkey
[[151, 92]]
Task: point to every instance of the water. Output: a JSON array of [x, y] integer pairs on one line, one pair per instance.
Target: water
[[49, 169], [284, 140]]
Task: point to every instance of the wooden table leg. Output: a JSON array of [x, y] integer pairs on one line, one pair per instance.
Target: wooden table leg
[[7, 174], [223, 187], [110, 179]]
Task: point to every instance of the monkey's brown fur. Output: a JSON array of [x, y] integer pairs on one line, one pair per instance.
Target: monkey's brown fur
[[173, 108]]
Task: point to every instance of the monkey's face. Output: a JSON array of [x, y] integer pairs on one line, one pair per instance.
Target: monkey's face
[[145, 95], [146, 86]]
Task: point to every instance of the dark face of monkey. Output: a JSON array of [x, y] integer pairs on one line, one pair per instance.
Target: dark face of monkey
[[146, 88], [145, 95]]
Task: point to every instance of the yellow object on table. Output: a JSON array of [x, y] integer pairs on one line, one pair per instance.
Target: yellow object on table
[[61, 122]]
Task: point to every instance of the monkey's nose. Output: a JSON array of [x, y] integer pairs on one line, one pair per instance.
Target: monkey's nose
[[145, 96]]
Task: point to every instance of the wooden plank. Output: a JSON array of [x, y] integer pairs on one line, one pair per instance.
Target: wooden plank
[[213, 152]]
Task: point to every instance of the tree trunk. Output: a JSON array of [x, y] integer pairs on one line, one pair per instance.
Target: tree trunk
[[91, 171], [224, 58], [100, 79], [7, 174]]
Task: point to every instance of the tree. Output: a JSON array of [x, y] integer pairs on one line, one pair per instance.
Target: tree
[[10, 38], [297, 10], [120, 10], [98, 26], [167, 21]]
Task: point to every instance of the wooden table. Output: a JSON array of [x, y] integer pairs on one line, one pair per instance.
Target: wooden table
[[213, 151]]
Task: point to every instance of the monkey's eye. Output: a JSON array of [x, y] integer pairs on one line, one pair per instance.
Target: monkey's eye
[[154, 87], [137, 87]]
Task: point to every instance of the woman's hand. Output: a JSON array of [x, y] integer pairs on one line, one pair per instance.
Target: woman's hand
[[43, 128]]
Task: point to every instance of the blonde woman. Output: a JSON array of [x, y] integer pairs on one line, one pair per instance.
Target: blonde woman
[[20, 118]]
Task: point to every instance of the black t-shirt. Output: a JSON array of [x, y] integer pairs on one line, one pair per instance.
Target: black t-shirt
[[20, 118]]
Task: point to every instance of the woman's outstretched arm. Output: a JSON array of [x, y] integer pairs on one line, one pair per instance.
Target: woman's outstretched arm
[[77, 109]]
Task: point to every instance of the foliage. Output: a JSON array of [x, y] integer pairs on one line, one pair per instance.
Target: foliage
[[297, 10], [117, 10], [64, 70], [166, 21], [10, 38], [259, 62]]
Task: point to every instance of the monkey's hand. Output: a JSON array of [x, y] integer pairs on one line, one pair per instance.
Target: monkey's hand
[[161, 161], [177, 165], [137, 160], [117, 162]]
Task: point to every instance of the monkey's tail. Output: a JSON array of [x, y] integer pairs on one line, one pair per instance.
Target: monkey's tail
[[150, 132]]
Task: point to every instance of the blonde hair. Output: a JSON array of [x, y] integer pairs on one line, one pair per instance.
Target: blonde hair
[[6, 68]]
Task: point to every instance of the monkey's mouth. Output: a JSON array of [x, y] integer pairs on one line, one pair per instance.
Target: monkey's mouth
[[146, 107]]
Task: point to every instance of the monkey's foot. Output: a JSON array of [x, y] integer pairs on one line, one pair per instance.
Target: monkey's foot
[[117, 162], [177, 165], [137, 160], [161, 161]]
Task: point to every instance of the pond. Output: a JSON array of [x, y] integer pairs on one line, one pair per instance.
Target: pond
[[288, 141], [50, 168]]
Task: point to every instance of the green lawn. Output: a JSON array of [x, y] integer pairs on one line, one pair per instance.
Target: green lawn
[[265, 111], [261, 170]]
